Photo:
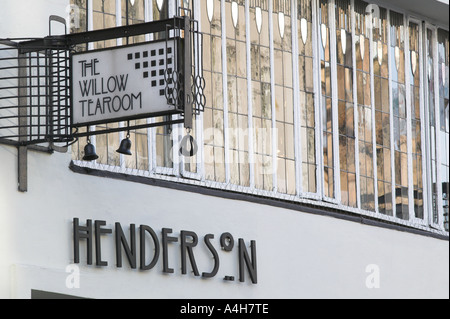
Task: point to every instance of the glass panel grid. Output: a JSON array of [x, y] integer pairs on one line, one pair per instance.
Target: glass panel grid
[[443, 71], [237, 93], [261, 94], [416, 121], [382, 113], [284, 105], [213, 117], [364, 102], [306, 96], [346, 116], [326, 100]]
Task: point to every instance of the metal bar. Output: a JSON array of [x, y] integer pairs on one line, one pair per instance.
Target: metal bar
[[187, 74], [101, 35], [22, 113], [122, 129]]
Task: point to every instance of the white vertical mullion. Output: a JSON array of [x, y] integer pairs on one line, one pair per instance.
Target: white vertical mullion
[[372, 102], [148, 12], [225, 93], [272, 88], [295, 85], [90, 21], [355, 105], [251, 159], [334, 105], [391, 114], [119, 42], [196, 57], [199, 126], [438, 129], [176, 128], [408, 120], [90, 46], [317, 96]]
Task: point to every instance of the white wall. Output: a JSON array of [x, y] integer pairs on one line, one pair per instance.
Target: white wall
[[300, 255], [29, 18]]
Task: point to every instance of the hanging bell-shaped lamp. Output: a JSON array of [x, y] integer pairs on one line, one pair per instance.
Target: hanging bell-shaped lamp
[[188, 146], [89, 152], [125, 146]]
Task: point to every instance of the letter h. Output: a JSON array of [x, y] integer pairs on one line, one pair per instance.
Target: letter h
[[82, 232]]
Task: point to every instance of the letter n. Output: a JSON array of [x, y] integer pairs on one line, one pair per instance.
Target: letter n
[[244, 259], [122, 241]]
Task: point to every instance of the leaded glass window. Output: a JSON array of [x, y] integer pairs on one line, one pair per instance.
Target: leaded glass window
[[306, 96]]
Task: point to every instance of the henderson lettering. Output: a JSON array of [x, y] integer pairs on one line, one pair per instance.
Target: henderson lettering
[[125, 241]]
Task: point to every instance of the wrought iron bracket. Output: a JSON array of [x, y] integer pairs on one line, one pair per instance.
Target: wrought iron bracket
[[35, 85]]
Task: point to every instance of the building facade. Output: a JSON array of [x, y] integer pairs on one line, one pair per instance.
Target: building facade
[[322, 166]]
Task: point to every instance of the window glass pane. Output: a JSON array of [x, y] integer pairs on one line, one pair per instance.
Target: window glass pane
[[382, 113], [327, 120], [306, 95], [261, 94], [284, 95], [397, 49], [345, 98], [432, 119], [237, 92], [366, 144], [414, 73], [443, 70], [213, 123]]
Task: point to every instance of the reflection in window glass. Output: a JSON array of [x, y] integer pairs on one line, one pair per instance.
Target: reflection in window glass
[[284, 105], [133, 13], [306, 96], [104, 16], [78, 24], [345, 103], [397, 50], [382, 113], [416, 121], [237, 92], [190, 163], [261, 94], [443, 69], [139, 146], [163, 134], [327, 125], [365, 123], [432, 121], [213, 124]]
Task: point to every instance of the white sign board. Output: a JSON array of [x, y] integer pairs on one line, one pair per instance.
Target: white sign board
[[120, 83]]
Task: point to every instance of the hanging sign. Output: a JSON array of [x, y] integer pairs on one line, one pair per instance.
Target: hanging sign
[[121, 83]]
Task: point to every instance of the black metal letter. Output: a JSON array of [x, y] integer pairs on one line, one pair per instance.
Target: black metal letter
[[82, 232], [245, 259], [215, 255], [130, 252], [98, 246], [166, 240], [188, 246], [143, 229]]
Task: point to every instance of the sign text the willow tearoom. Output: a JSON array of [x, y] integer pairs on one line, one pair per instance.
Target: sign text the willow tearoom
[[120, 83]]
